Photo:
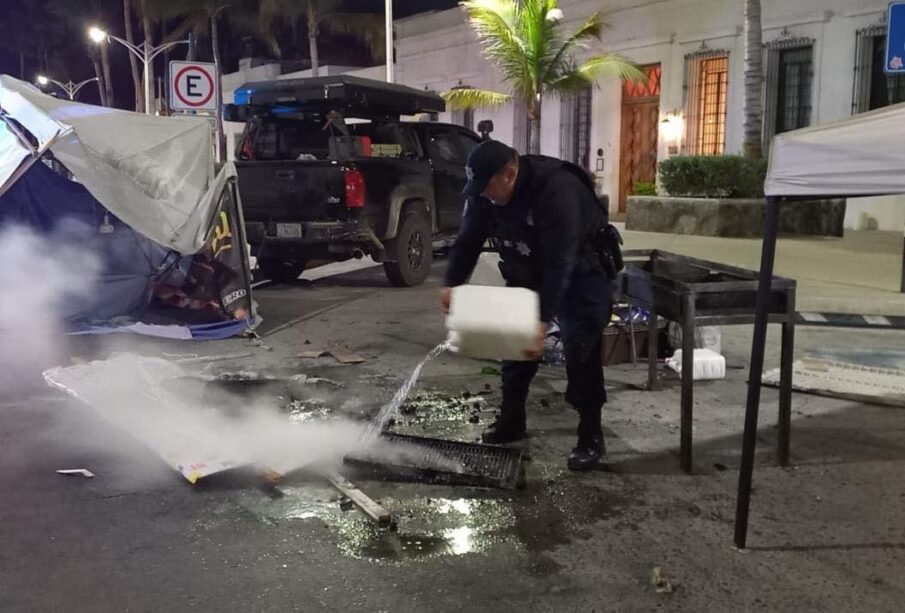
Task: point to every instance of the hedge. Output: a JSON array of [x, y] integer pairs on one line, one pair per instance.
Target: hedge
[[713, 176]]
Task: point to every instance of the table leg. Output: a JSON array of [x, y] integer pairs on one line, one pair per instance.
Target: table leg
[[652, 334], [787, 359], [687, 417]]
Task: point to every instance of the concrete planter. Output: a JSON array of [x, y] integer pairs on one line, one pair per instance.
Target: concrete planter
[[731, 217]]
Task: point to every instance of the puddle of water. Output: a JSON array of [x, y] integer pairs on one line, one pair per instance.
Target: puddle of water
[[429, 528], [426, 527]]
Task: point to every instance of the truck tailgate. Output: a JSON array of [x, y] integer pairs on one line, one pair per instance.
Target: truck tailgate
[[292, 191]]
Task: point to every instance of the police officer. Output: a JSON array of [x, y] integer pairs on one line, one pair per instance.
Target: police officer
[[543, 217]]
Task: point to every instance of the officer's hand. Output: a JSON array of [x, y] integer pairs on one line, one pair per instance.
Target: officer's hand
[[445, 298], [537, 352]]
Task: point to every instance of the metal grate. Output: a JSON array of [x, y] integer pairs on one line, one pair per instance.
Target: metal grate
[[796, 73], [884, 89], [714, 87], [441, 462]]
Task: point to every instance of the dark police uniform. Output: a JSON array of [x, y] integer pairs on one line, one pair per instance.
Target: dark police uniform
[[545, 236]]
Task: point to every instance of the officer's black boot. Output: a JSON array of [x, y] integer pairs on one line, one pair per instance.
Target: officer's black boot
[[510, 426], [590, 448]]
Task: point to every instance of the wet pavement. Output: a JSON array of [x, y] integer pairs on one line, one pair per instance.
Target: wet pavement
[[826, 534]]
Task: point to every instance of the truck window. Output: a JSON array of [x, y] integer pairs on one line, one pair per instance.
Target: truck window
[[467, 142], [443, 146]]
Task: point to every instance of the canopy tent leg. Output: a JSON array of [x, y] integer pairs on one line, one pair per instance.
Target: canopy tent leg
[[755, 371], [902, 289]]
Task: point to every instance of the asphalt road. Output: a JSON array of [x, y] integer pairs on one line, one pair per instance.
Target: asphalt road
[[826, 534]]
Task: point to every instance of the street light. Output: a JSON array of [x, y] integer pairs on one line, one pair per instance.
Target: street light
[[71, 89], [145, 52], [388, 18]]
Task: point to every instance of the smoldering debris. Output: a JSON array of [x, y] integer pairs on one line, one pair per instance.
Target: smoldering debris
[[139, 395]]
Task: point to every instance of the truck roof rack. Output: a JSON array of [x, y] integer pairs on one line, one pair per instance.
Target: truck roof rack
[[346, 94]]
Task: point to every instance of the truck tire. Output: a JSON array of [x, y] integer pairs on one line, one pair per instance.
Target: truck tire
[[279, 270], [411, 253]]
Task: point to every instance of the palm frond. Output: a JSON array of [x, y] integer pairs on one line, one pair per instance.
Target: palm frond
[[591, 29], [468, 98], [610, 64], [497, 24]]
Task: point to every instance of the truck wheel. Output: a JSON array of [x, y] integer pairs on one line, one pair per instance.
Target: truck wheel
[[412, 253], [280, 271]]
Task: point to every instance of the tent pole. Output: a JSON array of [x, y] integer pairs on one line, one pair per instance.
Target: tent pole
[[755, 371], [903, 266]]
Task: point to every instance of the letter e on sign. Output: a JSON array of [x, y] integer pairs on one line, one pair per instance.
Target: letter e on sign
[[193, 86]]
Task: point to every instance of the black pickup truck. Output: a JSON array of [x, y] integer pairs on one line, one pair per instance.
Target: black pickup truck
[[329, 171]]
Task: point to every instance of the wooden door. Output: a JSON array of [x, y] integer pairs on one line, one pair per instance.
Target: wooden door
[[640, 128]]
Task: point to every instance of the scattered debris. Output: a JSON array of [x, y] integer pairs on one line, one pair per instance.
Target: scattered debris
[[367, 506], [212, 358], [81, 472], [490, 371], [345, 356], [474, 419], [345, 504], [311, 355], [660, 582]]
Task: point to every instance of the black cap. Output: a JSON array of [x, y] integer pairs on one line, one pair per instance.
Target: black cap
[[486, 160]]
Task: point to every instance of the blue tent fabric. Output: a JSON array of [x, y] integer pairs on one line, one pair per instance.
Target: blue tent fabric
[[47, 203]]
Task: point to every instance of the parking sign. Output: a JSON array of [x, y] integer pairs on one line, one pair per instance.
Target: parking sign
[[895, 39], [193, 86]]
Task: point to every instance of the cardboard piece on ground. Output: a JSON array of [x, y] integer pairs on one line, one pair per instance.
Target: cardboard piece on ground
[[345, 356], [311, 355]]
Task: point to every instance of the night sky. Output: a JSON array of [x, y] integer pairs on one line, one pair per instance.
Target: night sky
[[22, 22]]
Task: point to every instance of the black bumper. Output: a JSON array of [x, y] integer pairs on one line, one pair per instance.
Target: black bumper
[[311, 233]]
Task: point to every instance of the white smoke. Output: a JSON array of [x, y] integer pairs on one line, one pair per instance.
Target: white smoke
[[44, 279]]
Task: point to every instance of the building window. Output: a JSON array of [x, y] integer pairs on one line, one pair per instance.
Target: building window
[[884, 89], [788, 85], [874, 89], [707, 87], [796, 73], [575, 128]]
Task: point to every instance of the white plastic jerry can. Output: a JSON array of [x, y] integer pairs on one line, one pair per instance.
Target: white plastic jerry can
[[493, 323]]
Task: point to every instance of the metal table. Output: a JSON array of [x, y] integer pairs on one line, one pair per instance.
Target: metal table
[[693, 292]]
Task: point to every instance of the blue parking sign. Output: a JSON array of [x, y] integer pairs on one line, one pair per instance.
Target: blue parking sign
[[895, 39]]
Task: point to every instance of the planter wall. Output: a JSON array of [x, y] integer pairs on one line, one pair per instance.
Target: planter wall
[[730, 217]]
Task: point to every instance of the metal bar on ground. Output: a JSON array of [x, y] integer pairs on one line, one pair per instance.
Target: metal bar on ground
[[367, 506], [755, 372]]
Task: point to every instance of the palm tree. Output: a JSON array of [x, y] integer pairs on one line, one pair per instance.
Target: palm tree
[[524, 38], [752, 145], [133, 61], [77, 15], [368, 27]]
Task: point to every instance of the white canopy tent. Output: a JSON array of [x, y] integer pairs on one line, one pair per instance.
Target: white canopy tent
[[154, 173], [860, 156]]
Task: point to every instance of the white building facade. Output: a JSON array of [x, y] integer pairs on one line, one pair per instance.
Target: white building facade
[[823, 61]]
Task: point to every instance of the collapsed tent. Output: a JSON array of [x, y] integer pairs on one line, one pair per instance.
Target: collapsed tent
[[140, 193]]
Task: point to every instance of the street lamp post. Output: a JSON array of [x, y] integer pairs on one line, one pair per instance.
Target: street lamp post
[[71, 89], [389, 40], [145, 52]]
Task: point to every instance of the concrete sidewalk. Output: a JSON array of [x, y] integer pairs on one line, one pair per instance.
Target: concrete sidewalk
[[860, 273]]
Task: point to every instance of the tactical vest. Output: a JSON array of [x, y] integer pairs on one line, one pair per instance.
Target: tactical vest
[[515, 235]]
